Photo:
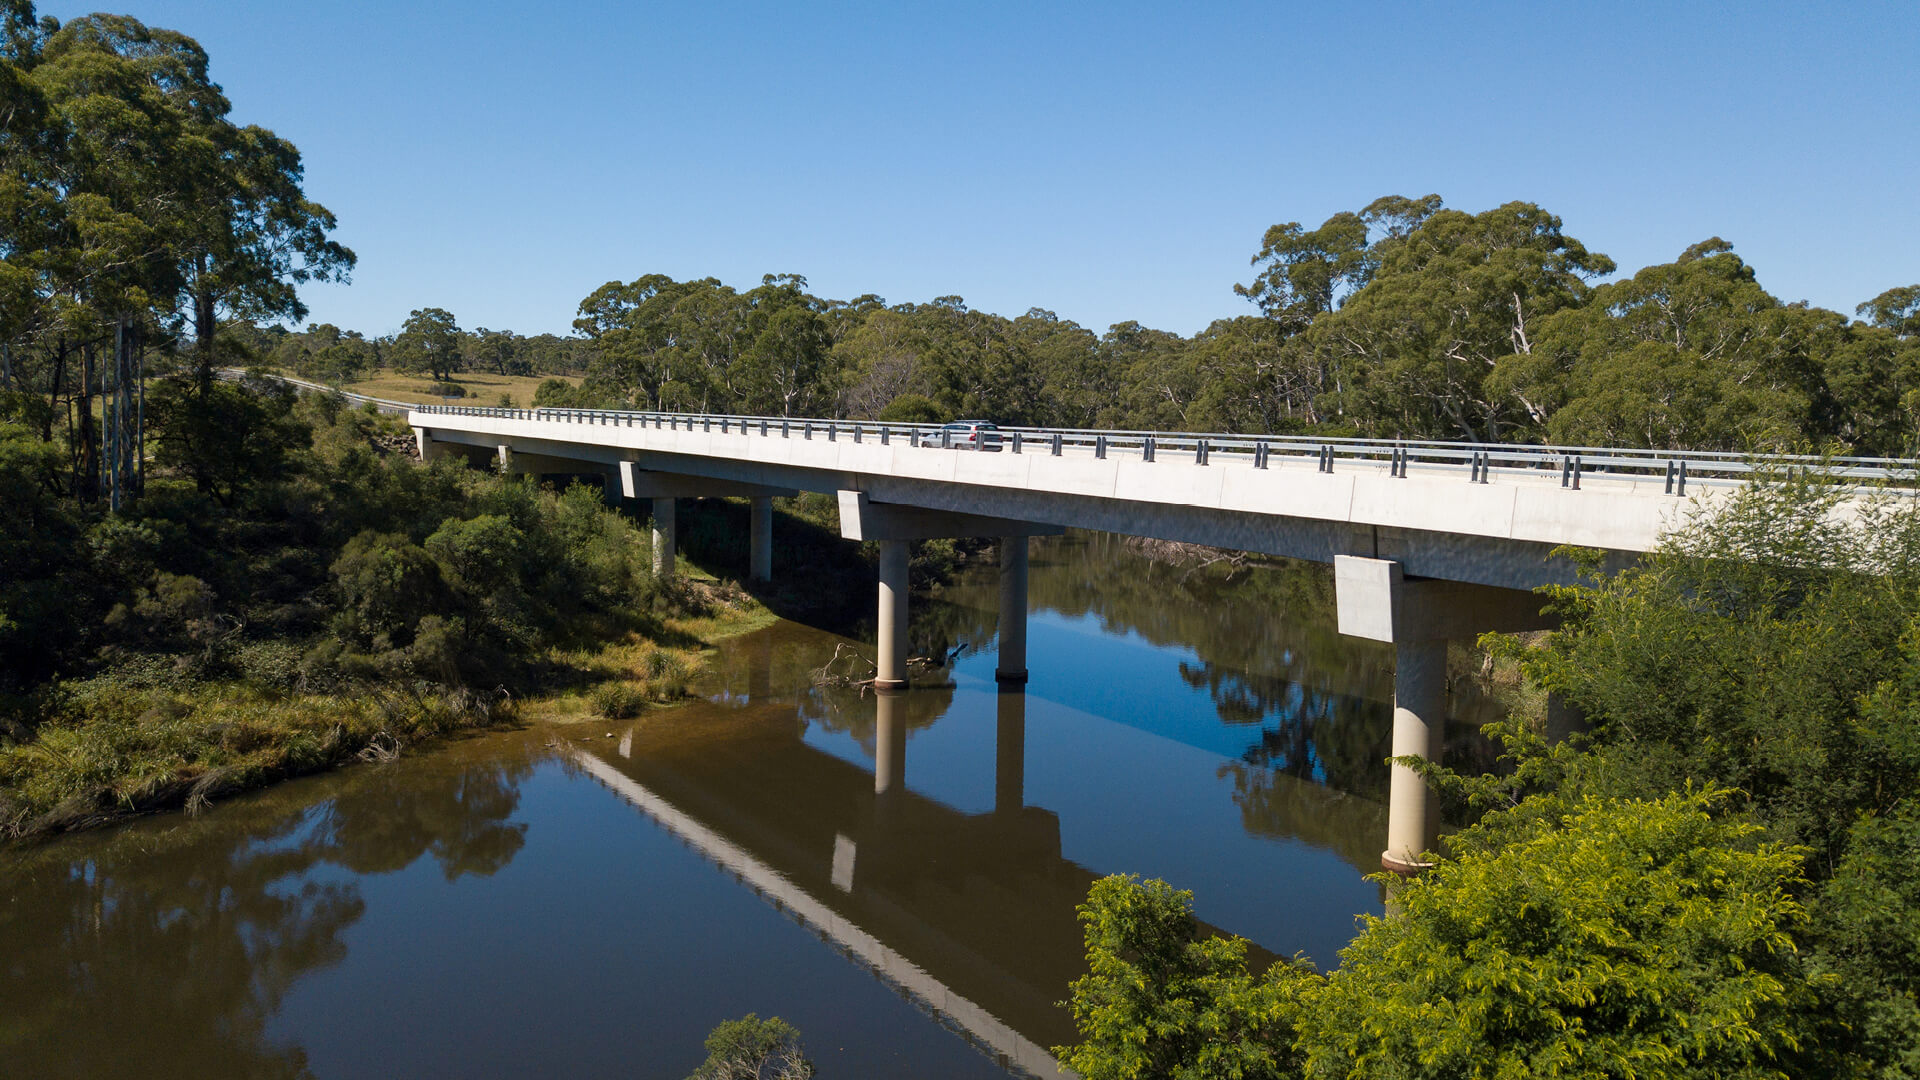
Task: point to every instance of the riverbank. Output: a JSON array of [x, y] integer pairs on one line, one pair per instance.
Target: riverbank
[[110, 751]]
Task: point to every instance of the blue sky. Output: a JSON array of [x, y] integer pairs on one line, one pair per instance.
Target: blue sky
[[1105, 161]]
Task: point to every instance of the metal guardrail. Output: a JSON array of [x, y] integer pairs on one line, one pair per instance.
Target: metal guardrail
[[1479, 461]]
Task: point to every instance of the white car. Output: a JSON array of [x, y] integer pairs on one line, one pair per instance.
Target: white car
[[970, 435]]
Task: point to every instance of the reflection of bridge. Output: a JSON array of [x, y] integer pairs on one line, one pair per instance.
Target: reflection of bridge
[[970, 914]]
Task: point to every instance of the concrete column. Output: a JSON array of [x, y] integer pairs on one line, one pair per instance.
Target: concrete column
[[1419, 730], [761, 559], [663, 537], [1013, 610], [889, 744], [1563, 719], [890, 642], [505, 454], [1010, 752]]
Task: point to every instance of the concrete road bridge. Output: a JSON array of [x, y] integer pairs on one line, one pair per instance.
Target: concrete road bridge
[[1430, 541]]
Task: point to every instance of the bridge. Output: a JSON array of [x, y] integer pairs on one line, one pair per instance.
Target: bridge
[[1430, 541]]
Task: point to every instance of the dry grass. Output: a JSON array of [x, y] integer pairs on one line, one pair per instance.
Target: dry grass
[[482, 389]]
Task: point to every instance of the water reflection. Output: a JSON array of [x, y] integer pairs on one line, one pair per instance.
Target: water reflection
[[971, 913], [186, 935]]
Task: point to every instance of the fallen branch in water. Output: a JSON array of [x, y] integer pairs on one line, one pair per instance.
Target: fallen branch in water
[[1194, 557], [844, 669]]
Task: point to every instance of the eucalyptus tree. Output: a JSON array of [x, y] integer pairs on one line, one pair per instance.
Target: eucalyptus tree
[[1448, 296], [429, 341], [132, 209]]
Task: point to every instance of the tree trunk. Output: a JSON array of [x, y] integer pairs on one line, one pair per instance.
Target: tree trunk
[[204, 326]]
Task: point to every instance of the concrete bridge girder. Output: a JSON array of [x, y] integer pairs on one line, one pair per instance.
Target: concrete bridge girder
[[1491, 534]]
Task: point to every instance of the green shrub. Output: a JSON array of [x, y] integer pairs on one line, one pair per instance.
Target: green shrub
[[619, 700]]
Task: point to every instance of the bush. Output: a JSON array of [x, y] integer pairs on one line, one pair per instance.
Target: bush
[[619, 700], [914, 409], [754, 1049]]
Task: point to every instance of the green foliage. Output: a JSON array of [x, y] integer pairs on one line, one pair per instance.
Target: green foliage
[[1158, 1001], [914, 409], [1768, 647], [1867, 937], [754, 1049], [429, 341], [1627, 939]]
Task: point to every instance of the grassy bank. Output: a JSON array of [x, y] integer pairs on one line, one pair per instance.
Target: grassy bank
[[477, 388], [116, 745], [293, 591]]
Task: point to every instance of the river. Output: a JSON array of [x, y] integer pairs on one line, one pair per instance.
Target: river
[[589, 900]]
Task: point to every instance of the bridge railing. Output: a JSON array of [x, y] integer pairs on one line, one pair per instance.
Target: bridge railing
[[1479, 462]]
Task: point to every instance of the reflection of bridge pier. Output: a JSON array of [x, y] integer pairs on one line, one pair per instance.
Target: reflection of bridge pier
[[1010, 752]]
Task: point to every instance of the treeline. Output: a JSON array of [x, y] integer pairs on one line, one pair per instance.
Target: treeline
[[431, 343], [1406, 319]]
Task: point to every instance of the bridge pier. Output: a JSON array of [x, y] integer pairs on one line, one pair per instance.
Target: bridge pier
[[634, 482], [760, 557], [890, 630], [1012, 668], [663, 551], [893, 527], [1377, 600], [504, 453]]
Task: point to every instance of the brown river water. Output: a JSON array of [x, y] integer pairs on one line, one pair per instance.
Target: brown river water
[[897, 878]]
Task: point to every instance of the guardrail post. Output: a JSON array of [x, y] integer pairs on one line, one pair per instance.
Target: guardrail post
[[806, 430], [1016, 442], [856, 433], [1146, 448], [946, 439], [1100, 446], [1260, 452], [1676, 477], [786, 430], [883, 436], [1056, 444], [1202, 453], [763, 429], [1326, 457]]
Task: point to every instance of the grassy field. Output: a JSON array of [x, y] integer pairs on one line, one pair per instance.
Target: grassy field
[[482, 388]]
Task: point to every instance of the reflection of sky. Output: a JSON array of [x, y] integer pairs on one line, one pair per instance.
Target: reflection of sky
[[1130, 756]]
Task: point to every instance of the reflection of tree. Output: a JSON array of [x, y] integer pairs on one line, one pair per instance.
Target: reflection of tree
[[460, 819], [1275, 804], [163, 952]]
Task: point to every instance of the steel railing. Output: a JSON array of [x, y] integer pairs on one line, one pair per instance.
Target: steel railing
[[1480, 462]]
